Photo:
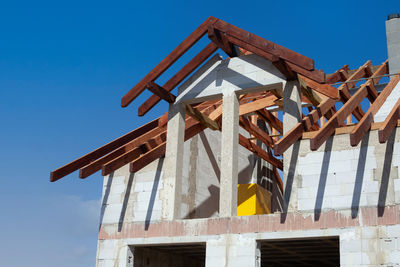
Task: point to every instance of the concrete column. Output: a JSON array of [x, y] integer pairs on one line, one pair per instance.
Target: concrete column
[[291, 116], [172, 182], [233, 251], [229, 155], [393, 42]]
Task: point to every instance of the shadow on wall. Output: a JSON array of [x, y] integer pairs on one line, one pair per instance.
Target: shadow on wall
[[387, 167], [362, 159], [105, 198], [290, 179]]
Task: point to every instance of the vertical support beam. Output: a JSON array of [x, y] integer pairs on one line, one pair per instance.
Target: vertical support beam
[[172, 184], [229, 155], [291, 116]]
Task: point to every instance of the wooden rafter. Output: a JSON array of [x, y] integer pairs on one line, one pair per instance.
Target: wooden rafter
[[161, 92], [268, 117], [365, 123], [254, 130], [257, 105], [361, 72], [219, 39], [179, 76], [337, 76], [390, 123], [265, 45], [96, 165], [203, 119], [306, 123], [94, 155], [329, 128], [168, 61], [324, 89]]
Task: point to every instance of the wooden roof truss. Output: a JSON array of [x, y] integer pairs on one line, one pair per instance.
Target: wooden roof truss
[[147, 143]]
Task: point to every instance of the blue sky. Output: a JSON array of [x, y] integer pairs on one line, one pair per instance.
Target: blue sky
[[65, 67]]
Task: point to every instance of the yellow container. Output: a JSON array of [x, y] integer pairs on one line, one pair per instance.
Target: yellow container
[[253, 199]]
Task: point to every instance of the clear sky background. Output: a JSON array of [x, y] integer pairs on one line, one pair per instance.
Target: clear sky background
[[65, 66]]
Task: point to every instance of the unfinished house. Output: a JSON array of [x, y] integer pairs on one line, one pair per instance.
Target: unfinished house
[[261, 160]]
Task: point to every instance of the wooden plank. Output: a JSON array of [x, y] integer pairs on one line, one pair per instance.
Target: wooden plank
[[257, 105], [329, 128], [179, 76], [365, 123], [203, 119], [97, 164], [284, 68], [390, 123], [222, 42], [337, 76], [314, 74], [101, 151], [265, 45], [243, 141], [256, 131], [161, 92], [131, 155], [324, 89], [271, 119], [347, 129], [344, 88], [306, 123], [159, 151], [167, 61]]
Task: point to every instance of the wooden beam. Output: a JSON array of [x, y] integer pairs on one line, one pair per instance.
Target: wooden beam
[[347, 129], [344, 88], [150, 144], [159, 151], [243, 141], [254, 130], [265, 45], [96, 165], [222, 42], [203, 119], [365, 123], [161, 92], [167, 61], [257, 105], [284, 68], [324, 89], [131, 155], [306, 123], [179, 76], [271, 119], [101, 151], [390, 123], [337, 76], [329, 128]]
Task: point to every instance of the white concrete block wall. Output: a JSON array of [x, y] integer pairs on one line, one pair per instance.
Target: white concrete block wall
[[236, 73], [232, 251], [387, 107], [339, 171], [348, 177]]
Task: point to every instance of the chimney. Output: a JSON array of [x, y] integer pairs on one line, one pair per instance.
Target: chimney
[[393, 42]]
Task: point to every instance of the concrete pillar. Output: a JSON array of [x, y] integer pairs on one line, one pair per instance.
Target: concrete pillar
[[233, 251], [172, 182], [229, 155], [291, 116], [393, 42]]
